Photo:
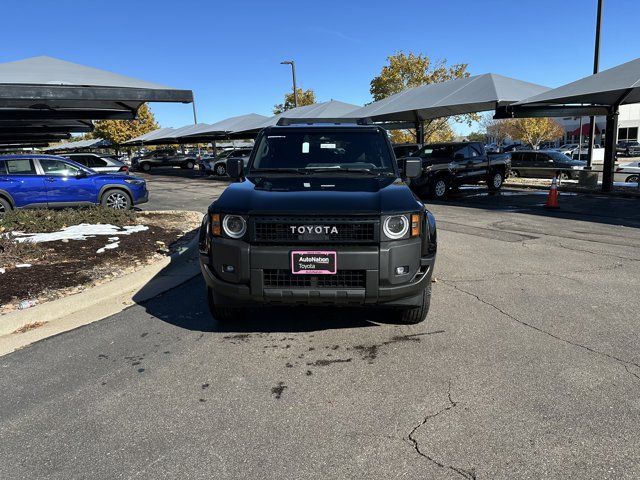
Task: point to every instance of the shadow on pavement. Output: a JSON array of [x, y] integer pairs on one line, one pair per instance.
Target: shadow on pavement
[[186, 307], [573, 206]]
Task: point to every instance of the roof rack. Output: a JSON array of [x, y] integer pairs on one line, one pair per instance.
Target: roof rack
[[314, 121]]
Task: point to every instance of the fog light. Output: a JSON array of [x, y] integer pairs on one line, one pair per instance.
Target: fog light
[[402, 270], [228, 268]]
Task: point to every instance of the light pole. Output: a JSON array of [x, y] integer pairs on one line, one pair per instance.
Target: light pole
[[293, 73], [596, 61]]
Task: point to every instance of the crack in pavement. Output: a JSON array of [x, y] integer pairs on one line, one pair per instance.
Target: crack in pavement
[[621, 361], [600, 254], [536, 274], [468, 474]]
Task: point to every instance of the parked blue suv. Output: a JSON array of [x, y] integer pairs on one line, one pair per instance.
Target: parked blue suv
[[39, 181]]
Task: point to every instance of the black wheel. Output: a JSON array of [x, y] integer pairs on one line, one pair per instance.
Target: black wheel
[[223, 313], [145, 167], [410, 316], [438, 188], [221, 169], [4, 206], [495, 181], [631, 179], [189, 165], [515, 173], [116, 199], [564, 176]]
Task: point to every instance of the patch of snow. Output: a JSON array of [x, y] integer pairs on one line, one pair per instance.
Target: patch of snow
[[79, 232], [2, 270], [23, 265], [109, 246], [113, 239]]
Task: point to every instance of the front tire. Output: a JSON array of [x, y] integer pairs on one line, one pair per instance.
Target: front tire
[[631, 179], [4, 206], [223, 313], [411, 316], [145, 167], [495, 181], [438, 188], [189, 165], [116, 200], [221, 170], [564, 176], [515, 173]]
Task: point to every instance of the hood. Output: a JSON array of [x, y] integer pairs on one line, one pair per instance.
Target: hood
[[115, 176], [324, 195]]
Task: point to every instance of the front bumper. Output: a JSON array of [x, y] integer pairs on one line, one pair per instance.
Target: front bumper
[[142, 198], [246, 285]]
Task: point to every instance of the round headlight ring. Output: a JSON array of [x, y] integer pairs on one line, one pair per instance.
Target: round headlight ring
[[234, 226], [396, 235]]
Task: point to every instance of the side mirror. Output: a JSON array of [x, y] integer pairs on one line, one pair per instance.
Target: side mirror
[[412, 168], [81, 174], [235, 168]]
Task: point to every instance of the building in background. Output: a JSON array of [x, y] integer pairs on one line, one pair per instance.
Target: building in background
[[628, 126]]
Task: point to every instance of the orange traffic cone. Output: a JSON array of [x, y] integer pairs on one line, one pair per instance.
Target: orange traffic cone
[[552, 199]]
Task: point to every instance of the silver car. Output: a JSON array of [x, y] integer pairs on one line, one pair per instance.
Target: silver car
[[98, 163]]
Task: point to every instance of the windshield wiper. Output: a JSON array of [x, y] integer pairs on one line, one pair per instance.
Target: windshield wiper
[[300, 171], [340, 169]]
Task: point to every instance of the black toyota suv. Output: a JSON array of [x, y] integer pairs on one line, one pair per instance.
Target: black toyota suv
[[321, 216]]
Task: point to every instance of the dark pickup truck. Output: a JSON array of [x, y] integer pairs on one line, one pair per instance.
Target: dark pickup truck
[[321, 216], [449, 165]]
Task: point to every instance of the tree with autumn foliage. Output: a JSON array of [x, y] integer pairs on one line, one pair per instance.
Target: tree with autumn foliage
[[534, 131], [119, 131], [305, 97], [410, 70]]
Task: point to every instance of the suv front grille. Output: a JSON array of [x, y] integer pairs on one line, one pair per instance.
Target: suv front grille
[[316, 230], [342, 279]]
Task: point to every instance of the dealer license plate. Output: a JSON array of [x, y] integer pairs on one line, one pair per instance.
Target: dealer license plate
[[313, 262]]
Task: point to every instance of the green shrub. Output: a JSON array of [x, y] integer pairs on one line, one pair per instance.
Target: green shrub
[[44, 221]]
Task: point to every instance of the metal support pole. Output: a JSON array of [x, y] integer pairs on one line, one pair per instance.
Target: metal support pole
[[293, 74], [420, 132], [195, 122], [580, 139], [295, 88], [611, 135], [596, 62]]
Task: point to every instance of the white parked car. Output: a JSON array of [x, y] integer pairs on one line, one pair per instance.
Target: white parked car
[[98, 163], [627, 172]]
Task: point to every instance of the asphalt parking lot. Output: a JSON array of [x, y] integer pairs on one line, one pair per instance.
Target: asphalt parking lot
[[527, 367]]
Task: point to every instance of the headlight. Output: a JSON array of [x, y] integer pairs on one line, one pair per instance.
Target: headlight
[[134, 181], [395, 226], [234, 225]]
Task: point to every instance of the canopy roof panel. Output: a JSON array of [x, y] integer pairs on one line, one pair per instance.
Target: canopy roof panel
[[455, 97], [617, 85], [330, 109], [80, 144], [224, 127], [149, 136]]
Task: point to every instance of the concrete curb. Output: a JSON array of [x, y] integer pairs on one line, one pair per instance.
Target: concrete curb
[[99, 302], [574, 189]]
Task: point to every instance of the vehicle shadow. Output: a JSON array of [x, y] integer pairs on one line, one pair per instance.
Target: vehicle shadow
[[177, 172], [186, 307], [590, 207]]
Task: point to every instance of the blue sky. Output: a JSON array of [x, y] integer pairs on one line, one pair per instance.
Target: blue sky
[[229, 52]]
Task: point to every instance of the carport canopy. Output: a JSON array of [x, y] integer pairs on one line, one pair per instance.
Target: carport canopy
[[598, 94], [222, 129], [325, 110], [79, 145], [139, 140], [454, 97], [44, 91]]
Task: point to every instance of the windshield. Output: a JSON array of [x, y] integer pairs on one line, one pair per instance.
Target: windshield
[[561, 157], [438, 151], [324, 151]]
